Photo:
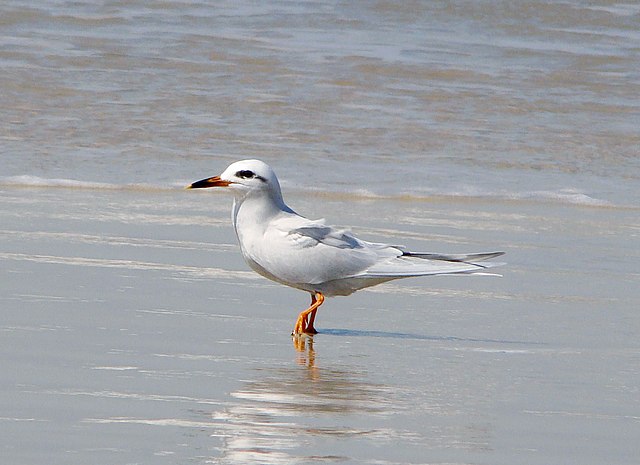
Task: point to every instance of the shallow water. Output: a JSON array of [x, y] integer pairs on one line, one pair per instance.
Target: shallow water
[[472, 99], [132, 332]]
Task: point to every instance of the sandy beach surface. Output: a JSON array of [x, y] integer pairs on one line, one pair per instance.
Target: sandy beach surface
[[133, 333]]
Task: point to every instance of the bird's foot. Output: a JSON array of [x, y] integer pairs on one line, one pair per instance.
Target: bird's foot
[[304, 332], [303, 326]]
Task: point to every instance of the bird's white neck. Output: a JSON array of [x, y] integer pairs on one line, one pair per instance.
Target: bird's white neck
[[254, 212]]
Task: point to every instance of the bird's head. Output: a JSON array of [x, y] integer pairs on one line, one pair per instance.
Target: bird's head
[[243, 178]]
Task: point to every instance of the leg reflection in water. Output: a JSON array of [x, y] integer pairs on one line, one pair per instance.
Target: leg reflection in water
[[303, 344]]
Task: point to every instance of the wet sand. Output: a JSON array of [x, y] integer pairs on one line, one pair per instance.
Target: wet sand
[[132, 332]]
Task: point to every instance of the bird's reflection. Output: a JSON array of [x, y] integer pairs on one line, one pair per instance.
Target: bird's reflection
[[303, 344], [275, 418]]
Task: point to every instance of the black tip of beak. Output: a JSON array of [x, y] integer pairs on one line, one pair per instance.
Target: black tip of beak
[[199, 184]]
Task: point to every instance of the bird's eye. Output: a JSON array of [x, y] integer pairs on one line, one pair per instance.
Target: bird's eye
[[244, 174]]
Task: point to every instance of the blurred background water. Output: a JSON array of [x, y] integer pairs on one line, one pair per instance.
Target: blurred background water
[[529, 99], [131, 330]]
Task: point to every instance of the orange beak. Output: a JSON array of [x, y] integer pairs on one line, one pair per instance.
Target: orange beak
[[209, 182]]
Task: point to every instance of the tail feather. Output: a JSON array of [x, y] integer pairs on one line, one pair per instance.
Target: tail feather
[[464, 258], [425, 264]]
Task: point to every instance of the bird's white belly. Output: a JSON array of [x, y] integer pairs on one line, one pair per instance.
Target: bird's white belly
[[297, 278]]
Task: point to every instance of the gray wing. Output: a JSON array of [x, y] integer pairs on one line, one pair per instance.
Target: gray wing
[[350, 257], [328, 235], [302, 251]]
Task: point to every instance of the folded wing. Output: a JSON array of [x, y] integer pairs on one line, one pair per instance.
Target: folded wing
[[386, 261]]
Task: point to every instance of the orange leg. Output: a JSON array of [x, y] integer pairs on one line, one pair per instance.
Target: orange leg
[[302, 324], [310, 320]]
